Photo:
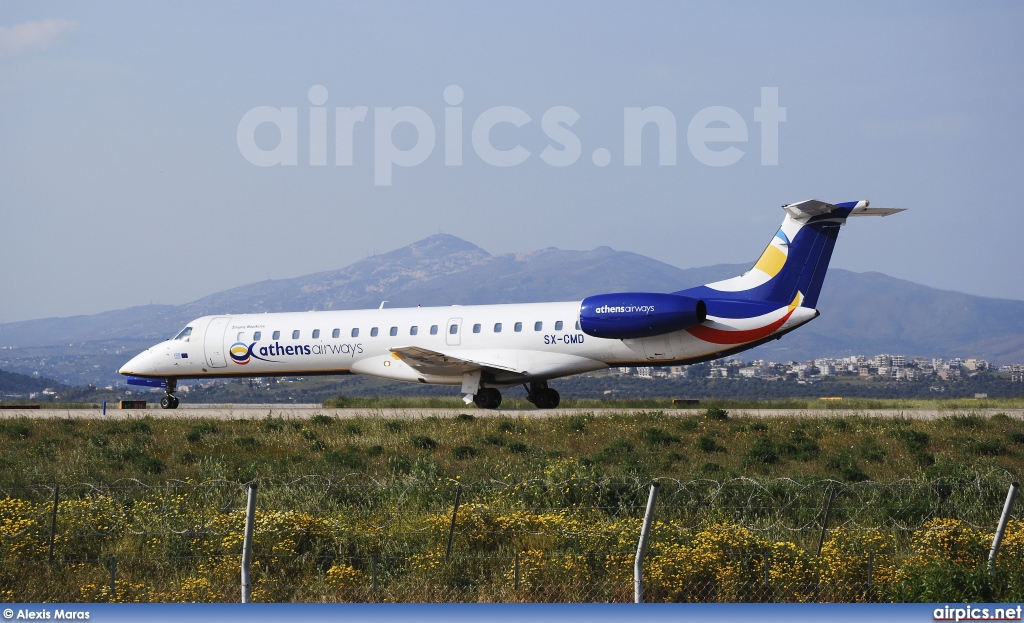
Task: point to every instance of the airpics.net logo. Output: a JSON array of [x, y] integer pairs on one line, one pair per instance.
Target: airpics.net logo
[[712, 134]]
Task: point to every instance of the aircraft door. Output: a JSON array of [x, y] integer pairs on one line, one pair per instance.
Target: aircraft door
[[214, 342], [453, 332]]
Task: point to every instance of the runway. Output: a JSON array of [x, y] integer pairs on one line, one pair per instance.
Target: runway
[[306, 411]]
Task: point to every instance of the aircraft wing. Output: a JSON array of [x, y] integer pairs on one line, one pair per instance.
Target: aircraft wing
[[433, 362]]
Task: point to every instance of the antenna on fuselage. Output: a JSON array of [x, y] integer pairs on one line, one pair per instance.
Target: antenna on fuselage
[[382, 305]]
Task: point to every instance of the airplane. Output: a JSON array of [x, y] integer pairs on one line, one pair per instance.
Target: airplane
[[484, 349]]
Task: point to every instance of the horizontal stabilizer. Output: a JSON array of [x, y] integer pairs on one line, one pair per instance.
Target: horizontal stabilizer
[[803, 210], [876, 211]]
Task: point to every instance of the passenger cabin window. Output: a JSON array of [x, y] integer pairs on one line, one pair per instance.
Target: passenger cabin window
[[373, 332], [577, 325], [497, 327], [394, 331], [518, 327], [240, 337], [355, 332], [277, 335], [414, 330], [187, 331], [256, 336], [336, 333], [316, 333], [476, 328], [433, 329], [453, 329], [537, 326], [295, 335], [558, 326]]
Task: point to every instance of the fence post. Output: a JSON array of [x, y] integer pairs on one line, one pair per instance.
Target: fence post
[[451, 529], [871, 561], [641, 548], [767, 570], [517, 572], [997, 540], [373, 573], [250, 520], [53, 521], [113, 577], [824, 522]]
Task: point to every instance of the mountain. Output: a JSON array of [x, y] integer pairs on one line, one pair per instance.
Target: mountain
[[862, 313]]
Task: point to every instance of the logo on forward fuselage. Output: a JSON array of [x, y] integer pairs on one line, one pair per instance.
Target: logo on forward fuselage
[[241, 353]]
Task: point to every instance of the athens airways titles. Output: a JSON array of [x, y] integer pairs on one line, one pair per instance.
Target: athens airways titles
[[241, 352], [628, 309]]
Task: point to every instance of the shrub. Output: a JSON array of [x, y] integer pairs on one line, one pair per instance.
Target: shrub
[[199, 431], [870, 451], [716, 413], [18, 430], [656, 437], [508, 426], [947, 565], [763, 452], [707, 443], [465, 417], [322, 420], [423, 442], [578, 422], [969, 420], [139, 426], [344, 458], [464, 452], [689, 423], [352, 428], [272, 425], [988, 447], [847, 468], [914, 441]]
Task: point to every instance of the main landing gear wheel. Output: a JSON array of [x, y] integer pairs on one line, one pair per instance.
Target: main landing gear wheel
[[547, 399], [542, 396], [487, 398], [170, 401]]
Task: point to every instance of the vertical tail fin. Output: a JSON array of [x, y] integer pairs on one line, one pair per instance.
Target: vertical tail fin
[[795, 262]]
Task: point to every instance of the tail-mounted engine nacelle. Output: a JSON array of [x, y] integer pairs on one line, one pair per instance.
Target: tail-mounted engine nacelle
[[639, 314]]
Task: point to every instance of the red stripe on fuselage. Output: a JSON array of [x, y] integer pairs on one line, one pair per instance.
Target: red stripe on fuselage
[[721, 336]]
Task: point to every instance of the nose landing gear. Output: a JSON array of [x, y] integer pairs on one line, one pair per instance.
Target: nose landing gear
[[170, 401]]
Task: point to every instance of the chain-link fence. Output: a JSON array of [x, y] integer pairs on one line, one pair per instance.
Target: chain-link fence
[[321, 539]]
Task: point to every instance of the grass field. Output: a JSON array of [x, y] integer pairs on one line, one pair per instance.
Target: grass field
[[550, 510], [680, 443]]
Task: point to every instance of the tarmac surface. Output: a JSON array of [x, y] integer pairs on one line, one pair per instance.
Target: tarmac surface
[[305, 411]]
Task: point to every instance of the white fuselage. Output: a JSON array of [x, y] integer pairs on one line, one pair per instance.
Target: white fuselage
[[515, 343]]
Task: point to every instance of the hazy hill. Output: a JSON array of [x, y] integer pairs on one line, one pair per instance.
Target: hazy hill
[[864, 313]]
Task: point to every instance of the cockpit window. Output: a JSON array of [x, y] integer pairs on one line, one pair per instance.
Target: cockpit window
[[187, 331]]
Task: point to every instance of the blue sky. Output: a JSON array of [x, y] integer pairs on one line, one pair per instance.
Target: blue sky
[[122, 180]]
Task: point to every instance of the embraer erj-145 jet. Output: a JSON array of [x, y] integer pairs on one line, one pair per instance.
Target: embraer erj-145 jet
[[487, 348]]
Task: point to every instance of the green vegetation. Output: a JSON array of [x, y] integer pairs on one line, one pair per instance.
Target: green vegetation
[[636, 446], [339, 496]]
